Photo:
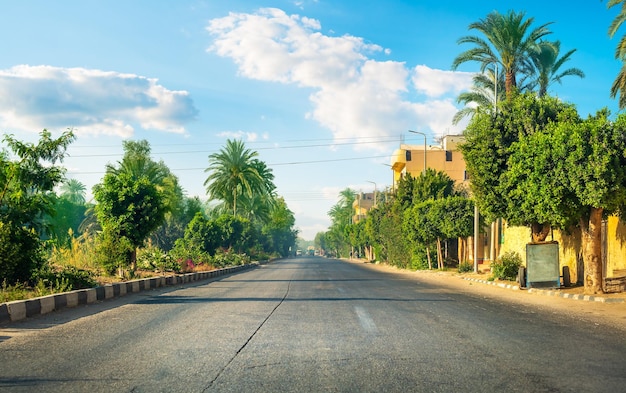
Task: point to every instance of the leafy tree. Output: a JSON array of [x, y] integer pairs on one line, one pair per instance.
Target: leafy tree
[[595, 165], [509, 41], [235, 231], [421, 225], [26, 183], [488, 148], [202, 237], [236, 171], [137, 164], [175, 223], [129, 207], [280, 228]]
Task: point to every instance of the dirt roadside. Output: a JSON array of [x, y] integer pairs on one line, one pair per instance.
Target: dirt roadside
[[602, 310]]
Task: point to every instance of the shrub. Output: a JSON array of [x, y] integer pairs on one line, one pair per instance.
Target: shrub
[[507, 266], [21, 253], [465, 267], [64, 278], [154, 259]]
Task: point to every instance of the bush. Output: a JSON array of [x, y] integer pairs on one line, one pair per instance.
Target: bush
[[226, 257], [113, 251], [64, 278], [465, 267], [21, 253], [154, 259], [507, 266]]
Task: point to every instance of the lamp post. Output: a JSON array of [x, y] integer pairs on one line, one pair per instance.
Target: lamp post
[[424, 135], [374, 191]]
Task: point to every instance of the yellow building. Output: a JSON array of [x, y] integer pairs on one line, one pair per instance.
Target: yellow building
[[362, 204], [446, 157]]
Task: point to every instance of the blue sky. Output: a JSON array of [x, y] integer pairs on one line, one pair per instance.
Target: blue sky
[[323, 90]]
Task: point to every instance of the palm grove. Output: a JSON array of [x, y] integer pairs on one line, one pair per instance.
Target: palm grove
[[532, 159], [141, 217]]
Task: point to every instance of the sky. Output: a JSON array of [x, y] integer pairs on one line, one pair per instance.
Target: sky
[[323, 90]]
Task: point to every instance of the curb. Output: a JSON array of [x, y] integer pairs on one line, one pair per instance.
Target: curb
[[587, 298], [21, 309]]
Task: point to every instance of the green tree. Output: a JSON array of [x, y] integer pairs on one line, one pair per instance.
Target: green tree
[[595, 165], [236, 171], [26, 183], [280, 228], [488, 148], [137, 164], [202, 237], [508, 41], [548, 64], [129, 207], [175, 222]]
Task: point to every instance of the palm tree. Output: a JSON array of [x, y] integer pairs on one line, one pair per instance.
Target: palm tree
[[341, 212], [234, 171], [483, 94], [547, 65], [509, 42], [73, 191], [619, 85]]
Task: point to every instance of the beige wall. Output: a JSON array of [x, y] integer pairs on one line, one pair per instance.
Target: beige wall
[[614, 247]]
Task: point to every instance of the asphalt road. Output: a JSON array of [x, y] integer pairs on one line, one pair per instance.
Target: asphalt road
[[311, 324]]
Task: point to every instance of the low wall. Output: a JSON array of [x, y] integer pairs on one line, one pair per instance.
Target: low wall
[[21, 309]]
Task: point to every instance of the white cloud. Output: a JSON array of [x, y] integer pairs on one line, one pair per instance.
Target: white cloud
[[354, 96], [436, 83], [245, 136], [90, 101]]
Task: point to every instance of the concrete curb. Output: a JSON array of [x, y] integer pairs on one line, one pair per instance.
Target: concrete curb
[[545, 292], [21, 309]]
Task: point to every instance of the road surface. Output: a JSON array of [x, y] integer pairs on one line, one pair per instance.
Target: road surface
[[311, 324]]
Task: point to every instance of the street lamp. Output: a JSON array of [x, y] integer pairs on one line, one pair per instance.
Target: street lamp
[[424, 135], [374, 191]]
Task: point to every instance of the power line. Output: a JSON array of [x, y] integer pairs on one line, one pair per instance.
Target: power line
[[259, 148], [270, 165]]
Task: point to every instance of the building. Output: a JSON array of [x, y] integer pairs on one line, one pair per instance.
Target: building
[[362, 204], [446, 157]]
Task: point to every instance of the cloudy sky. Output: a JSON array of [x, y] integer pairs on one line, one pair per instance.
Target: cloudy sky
[[323, 90]]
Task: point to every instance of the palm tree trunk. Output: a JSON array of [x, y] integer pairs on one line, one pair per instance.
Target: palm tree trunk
[[510, 83]]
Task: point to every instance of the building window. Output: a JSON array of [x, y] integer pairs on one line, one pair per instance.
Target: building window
[[448, 155], [465, 175], [408, 155]]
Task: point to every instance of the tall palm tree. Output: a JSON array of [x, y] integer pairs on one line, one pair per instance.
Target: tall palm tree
[[342, 211], [547, 65], [509, 41], [234, 171], [74, 191], [484, 93], [619, 85]]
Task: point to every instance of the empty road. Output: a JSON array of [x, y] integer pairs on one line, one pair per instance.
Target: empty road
[[311, 324]]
